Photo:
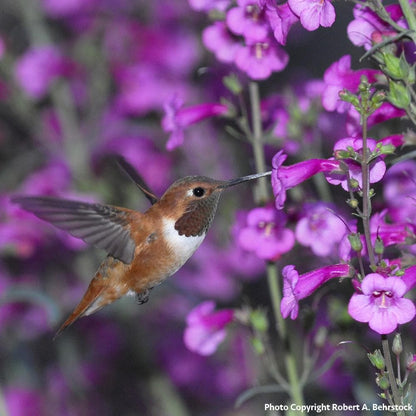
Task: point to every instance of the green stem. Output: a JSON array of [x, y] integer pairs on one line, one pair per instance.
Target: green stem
[[408, 14], [390, 372], [272, 274], [258, 150], [366, 196]]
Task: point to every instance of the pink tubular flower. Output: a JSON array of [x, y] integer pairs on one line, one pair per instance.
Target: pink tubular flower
[[259, 60], [265, 234], [286, 177], [381, 303], [177, 118], [248, 19], [205, 328], [320, 229], [377, 166], [297, 287], [219, 40], [281, 19], [340, 76], [313, 13], [367, 27]]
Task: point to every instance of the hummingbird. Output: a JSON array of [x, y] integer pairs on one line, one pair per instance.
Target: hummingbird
[[143, 249]]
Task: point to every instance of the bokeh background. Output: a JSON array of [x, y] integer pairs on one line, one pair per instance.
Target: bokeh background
[[80, 81]]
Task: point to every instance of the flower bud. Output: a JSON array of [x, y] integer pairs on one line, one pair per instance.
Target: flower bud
[[383, 381], [258, 345], [355, 241], [320, 337], [353, 203], [259, 320], [393, 67], [354, 183], [349, 97], [379, 246], [377, 360], [397, 346], [232, 83], [411, 363], [398, 95]]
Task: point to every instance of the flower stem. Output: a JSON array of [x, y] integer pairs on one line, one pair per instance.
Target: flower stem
[[366, 195], [408, 14], [272, 274], [390, 372]]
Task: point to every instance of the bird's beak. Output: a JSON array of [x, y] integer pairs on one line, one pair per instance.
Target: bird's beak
[[233, 182]]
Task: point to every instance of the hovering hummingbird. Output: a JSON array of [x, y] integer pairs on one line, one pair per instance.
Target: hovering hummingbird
[[143, 248]]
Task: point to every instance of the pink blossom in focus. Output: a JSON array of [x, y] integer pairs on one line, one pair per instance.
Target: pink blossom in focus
[[297, 287], [381, 303], [340, 76], [313, 13]]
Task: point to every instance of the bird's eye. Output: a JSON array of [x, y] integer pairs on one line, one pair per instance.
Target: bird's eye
[[198, 192]]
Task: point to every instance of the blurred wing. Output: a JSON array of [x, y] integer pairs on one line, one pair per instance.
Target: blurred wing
[[103, 226]]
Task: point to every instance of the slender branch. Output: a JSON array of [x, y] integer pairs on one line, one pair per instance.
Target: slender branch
[[408, 14], [390, 372], [366, 195]]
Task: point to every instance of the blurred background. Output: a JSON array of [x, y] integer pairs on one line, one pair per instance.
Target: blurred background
[[80, 81]]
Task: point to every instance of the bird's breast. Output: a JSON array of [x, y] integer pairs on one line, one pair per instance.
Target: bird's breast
[[182, 247]]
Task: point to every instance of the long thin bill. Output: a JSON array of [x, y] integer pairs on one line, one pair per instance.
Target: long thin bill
[[233, 182]]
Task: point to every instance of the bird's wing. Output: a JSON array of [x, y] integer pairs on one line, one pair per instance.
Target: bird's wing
[[103, 226], [136, 178]]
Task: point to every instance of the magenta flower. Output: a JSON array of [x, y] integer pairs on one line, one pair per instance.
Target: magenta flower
[[377, 166], [367, 28], [205, 328], [248, 19], [265, 234], [297, 287], [208, 5], [313, 13], [68, 8], [281, 19], [39, 67], [320, 229], [286, 177], [219, 40], [381, 303], [340, 76], [400, 191], [259, 60], [177, 118]]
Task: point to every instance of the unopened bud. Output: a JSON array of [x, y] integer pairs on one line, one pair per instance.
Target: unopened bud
[[376, 358], [353, 203], [411, 363], [397, 346], [354, 183], [355, 242], [383, 381], [232, 83], [320, 337], [393, 68], [398, 95], [349, 97], [258, 346], [259, 320], [379, 246]]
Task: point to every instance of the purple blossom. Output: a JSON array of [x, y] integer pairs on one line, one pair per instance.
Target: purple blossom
[[400, 191], [205, 328], [313, 13], [377, 167], [259, 60], [281, 19], [367, 28], [38, 67], [320, 229], [265, 234], [340, 76], [177, 118], [219, 40], [208, 5], [381, 303], [385, 112], [248, 19], [297, 287], [286, 177], [21, 401], [68, 8]]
